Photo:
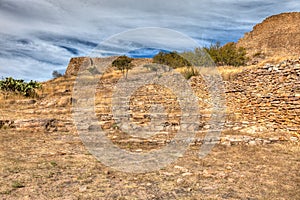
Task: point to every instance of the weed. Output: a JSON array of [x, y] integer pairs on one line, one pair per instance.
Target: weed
[[17, 184], [53, 163], [189, 72], [50, 175], [6, 192]]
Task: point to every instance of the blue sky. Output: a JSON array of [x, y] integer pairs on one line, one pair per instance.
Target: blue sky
[[39, 36]]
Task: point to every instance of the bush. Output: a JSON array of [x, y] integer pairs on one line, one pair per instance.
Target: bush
[[229, 54], [172, 59], [123, 63], [198, 57], [20, 86], [189, 72], [56, 74]]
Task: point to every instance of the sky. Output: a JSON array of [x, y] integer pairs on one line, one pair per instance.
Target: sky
[[39, 36]]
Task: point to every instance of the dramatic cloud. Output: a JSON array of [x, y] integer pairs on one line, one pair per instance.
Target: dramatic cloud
[[39, 36]]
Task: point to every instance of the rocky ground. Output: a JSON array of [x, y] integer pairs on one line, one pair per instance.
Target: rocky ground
[[43, 165], [42, 157]]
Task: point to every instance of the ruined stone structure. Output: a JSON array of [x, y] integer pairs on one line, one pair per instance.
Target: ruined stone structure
[[261, 99], [262, 106], [265, 98]]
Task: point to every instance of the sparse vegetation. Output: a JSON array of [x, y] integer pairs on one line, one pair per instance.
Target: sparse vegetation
[[172, 59], [20, 86], [229, 54], [123, 63]]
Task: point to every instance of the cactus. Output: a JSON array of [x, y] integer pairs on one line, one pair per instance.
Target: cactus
[[19, 86]]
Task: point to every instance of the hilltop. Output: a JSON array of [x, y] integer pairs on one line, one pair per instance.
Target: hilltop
[[277, 36]]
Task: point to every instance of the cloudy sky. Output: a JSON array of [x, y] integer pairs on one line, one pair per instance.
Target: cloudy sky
[[39, 36]]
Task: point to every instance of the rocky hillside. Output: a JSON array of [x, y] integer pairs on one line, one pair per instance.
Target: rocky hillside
[[278, 35]]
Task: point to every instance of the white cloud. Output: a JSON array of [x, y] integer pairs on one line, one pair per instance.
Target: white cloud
[[39, 36]]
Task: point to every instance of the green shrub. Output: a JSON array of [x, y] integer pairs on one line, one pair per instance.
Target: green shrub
[[172, 59], [20, 86], [229, 54]]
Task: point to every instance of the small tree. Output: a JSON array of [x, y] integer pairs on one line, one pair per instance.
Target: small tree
[[56, 74], [123, 63]]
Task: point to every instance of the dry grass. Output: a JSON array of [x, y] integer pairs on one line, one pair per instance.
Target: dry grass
[[10, 96], [228, 72], [276, 60]]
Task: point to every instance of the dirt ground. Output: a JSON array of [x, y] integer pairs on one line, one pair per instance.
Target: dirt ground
[[43, 165]]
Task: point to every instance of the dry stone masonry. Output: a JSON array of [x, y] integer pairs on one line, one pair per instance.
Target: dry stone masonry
[[265, 99]]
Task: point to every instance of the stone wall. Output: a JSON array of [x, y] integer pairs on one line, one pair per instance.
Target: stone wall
[[265, 98]]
